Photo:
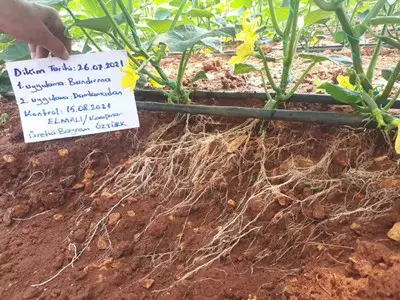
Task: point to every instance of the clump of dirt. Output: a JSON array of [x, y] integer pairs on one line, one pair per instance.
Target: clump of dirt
[[191, 207]]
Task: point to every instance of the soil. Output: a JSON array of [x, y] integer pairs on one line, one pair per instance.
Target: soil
[[80, 218], [221, 77], [192, 207]]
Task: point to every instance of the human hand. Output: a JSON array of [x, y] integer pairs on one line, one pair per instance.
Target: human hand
[[40, 26]]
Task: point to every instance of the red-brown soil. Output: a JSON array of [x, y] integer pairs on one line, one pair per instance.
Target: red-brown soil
[[49, 206]]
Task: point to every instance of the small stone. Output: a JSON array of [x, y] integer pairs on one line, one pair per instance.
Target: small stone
[[67, 182], [63, 152], [131, 213], [102, 243], [114, 218], [319, 212], [79, 235], [8, 158], [122, 249], [106, 195], [78, 186], [394, 232], [19, 211], [89, 174], [148, 283], [232, 203], [284, 201], [171, 218], [89, 185], [7, 220], [35, 162], [58, 217], [355, 226], [390, 183]]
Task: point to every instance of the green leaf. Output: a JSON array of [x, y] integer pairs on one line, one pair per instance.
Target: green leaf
[[102, 24], [5, 83], [245, 68], [316, 16], [241, 3], [337, 59], [386, 73], [202, 75], [339, 36], [5, 38], [197, 12], [163, 13], [18, 51], [341, 94], [54, 3], [385, 20], [185, 37], [391, 42], [282, 13]]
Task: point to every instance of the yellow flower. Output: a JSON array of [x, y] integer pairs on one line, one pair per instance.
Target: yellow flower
[[397, 142], [344, 82], [131, 76], [155, 84], [314, 41], [249, 37], [317, 84], [206, 51]]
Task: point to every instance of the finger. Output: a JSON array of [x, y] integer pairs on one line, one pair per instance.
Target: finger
[[32, 49], [57, 28], [41, 52], [50, 42]]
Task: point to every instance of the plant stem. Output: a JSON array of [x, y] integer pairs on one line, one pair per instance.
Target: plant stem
[[355, 47], [299, 81], [131, 23], [291, 50], [269, 97], [267, 71], [274, 19], [116, 27], [178, 14], [389, 86], [377, 51], [392, 102], [83, 29]]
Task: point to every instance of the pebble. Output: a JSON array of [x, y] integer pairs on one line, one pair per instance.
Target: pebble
[[102, 243], [7, 220], [390, 183], [232, 203], [319, 212], [58, 217], [79, 235], [113, 218], [8, 158], [131, 213], [68, 181], [63, 152], [394, 232], [148, 283], [19, 211], [89, 174]]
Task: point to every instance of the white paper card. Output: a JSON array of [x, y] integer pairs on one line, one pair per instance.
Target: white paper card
[[80, 96]]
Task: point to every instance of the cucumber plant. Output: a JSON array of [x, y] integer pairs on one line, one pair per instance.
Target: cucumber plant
[[366, 99]]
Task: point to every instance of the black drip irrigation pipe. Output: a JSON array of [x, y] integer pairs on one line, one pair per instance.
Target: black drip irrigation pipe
[[327, 118], [153, 95], [300, 49]]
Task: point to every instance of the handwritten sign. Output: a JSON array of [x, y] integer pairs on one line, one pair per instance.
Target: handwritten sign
[[80, 96]]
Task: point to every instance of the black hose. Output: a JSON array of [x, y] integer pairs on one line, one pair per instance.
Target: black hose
[[328, 118]]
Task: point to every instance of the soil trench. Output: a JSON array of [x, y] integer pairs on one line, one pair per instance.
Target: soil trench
[[193, 207]]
